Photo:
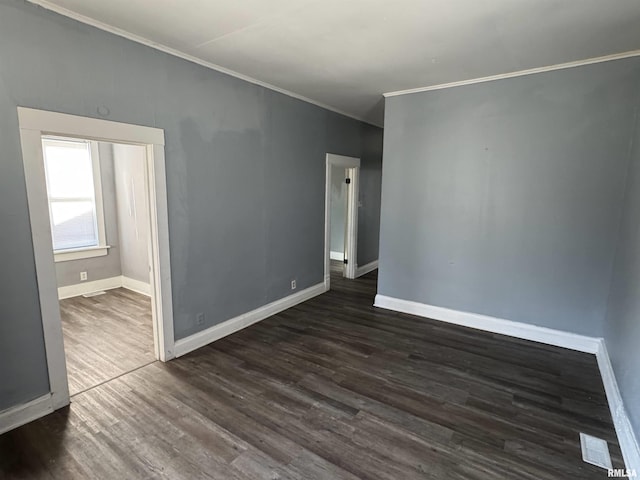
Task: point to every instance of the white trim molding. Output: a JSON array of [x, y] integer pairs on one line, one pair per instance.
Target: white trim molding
[[519, 73], [558, 338], [336, 255], [80, 253], [364, 269], [63, 124], [110, 283], [136, 286], [19, 415], [85, 288], [626, 437], [185, 56], [211, 334]]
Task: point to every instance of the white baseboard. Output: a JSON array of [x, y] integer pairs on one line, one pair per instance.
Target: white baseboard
[[205, 337], [136, 286], [364, 269], [624, 430], [336, 256], [558, 338], [17, 416], [104, 284], [89, 287]]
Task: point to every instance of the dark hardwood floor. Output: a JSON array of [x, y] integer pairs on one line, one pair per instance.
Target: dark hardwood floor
[[332, 389], [105, 336]]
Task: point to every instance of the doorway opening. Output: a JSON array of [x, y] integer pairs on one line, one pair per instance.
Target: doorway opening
[[341, 216], [338, 219], [98, 211], [99, 215]]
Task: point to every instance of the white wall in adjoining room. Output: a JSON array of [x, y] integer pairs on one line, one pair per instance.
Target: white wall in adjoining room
[[132, 209]]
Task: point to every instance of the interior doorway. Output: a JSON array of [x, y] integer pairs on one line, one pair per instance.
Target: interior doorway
[[67, 225], [341, 216], [338, 219], [99, 215]]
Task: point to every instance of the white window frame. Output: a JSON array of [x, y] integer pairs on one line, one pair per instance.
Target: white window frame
[[101, 249]]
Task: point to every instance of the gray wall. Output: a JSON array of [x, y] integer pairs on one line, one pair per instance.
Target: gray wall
[[338, 214], [504, 198], [245, 176], [98, 268], [622, 329], [355, 139], [133, 212], [370, 191]]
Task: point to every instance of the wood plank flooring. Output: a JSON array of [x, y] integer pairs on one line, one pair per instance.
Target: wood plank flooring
[[337, 269], [105, 336], [332, 389]]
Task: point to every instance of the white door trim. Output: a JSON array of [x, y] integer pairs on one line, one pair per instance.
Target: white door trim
[[35, 123], [351, 248], [351, 244]]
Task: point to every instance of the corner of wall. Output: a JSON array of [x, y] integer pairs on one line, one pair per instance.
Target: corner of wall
[[626, 436]]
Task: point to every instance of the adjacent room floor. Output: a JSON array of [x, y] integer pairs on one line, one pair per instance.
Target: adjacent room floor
[[337, 269], [332, 388], [105, 336]]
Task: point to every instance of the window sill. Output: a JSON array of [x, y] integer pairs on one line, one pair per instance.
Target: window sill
[[80, 253]]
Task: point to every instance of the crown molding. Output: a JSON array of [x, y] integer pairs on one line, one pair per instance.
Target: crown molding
[[47, 5], [519, 73]]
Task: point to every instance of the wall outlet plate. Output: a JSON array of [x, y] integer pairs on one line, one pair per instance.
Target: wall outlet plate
[[83, 276], [200, 318], [293, 285]]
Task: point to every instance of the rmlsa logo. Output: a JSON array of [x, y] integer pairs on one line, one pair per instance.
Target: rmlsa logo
[[622, 473]]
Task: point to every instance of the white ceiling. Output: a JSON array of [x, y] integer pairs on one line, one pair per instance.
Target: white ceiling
[[346, 53]]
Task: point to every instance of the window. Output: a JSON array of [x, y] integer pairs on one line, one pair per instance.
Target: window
[[72, 171]]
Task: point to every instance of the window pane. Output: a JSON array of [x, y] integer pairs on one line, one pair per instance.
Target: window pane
[[73, 225], [70, 187], [69, 169]]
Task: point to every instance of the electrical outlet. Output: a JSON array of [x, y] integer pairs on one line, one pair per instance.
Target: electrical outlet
[[200, 318], [293, 284], [83, 276]]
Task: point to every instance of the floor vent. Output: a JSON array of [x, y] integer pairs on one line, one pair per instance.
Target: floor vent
[[595, 451], [94, 294]]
